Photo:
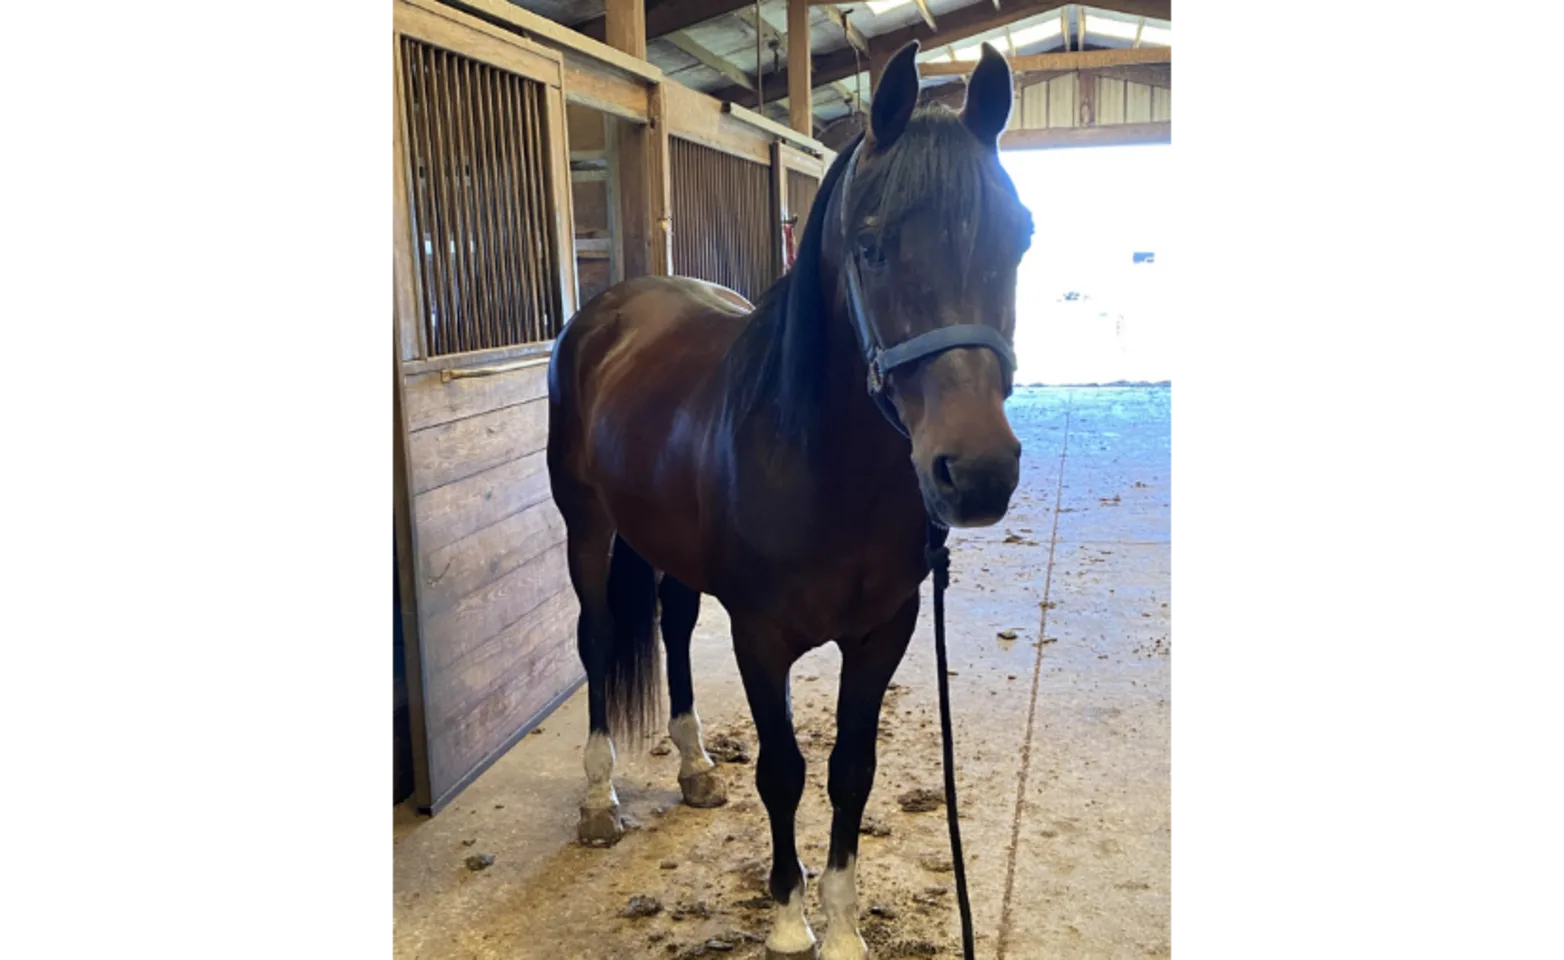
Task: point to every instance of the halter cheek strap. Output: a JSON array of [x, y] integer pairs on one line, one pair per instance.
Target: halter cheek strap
[[882, 359]]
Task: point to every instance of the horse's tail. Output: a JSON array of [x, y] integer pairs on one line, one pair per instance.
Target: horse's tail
[[634, 669]]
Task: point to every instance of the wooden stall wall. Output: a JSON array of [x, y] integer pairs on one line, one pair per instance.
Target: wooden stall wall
[[1087, 107], [484, 278]]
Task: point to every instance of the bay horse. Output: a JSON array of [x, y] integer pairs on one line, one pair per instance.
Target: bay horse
[[698, 446]]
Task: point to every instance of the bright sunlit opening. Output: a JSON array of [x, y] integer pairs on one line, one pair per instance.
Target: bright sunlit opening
[[880, 6], [1092, 295], [1156, 37], [1035, 33], [1110, 28]]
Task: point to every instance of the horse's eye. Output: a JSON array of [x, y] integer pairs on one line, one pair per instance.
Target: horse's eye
[[869, 249]]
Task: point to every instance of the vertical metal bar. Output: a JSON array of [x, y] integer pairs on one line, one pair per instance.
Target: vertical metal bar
[[516, 149], [472, 206], [416, 106], [535, 211], [494, 201], [440, 166], [450, 200]]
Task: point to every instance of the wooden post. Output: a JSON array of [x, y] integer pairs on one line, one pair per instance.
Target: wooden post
[[659, 180], [645, 192], [876, 68], [624, 26], [800, 88]]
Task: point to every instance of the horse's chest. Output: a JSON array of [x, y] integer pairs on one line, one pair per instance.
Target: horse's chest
[[848, 595]]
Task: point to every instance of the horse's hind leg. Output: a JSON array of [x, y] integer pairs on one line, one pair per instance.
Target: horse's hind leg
[[588, 540], [698, 777]]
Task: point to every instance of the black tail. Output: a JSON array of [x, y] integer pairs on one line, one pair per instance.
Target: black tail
[[634, 669]]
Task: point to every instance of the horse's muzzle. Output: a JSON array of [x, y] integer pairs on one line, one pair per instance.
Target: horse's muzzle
[[972, 491]]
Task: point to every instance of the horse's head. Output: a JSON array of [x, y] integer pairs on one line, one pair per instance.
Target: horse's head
[[933, 233]]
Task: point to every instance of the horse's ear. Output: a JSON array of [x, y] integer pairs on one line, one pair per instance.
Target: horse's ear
[[989, 96], [894, 98]]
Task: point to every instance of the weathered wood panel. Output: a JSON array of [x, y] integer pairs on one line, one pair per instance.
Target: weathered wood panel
[[1110, 101], [1137, 103], [474, 562], [479, 616], [458, 449], [1161, 103], [612, 94], [591, 196], [446, 514], [696, 117], [1061, 101], [502, 686], [430, 402]]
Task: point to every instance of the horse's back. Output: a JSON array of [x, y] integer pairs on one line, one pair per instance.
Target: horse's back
[[634, 387]]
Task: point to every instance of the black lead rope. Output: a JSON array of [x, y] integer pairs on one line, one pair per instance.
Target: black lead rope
[[939, 561]]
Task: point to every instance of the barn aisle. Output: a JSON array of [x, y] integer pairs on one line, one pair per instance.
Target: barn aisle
[[1060, 627]]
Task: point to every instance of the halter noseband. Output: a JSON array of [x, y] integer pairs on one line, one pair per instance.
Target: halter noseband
[[882, 359]]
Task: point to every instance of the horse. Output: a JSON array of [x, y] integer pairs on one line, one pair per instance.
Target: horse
[[795, 461]]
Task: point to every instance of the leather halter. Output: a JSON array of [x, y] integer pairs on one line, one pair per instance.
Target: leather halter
[[882, 359]]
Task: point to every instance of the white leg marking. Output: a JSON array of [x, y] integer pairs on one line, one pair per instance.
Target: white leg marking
[[790, 932], [839, 895], [598, 759], [685, 729]]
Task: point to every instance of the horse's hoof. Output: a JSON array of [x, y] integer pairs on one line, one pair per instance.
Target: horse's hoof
[[704, 790], [813, 953], [601, 827], [848, 947]]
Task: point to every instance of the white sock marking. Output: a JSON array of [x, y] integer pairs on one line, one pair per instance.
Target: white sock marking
[[790, 932], [839, 895], [598, 759], [685, 729]]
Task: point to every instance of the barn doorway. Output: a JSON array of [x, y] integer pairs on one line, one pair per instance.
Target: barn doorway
[[1093, 292], [595, 198]]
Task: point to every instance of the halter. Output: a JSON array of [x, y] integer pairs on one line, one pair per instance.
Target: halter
[[882, 359]]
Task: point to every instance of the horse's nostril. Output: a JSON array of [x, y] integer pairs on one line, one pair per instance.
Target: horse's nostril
[[942, 472]]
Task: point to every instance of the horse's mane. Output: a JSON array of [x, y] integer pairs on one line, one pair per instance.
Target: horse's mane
[[776, 366]]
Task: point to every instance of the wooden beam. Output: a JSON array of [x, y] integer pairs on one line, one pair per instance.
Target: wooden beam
[[1080, 27], [506, 14], [800, 101], [955, 26], [666, 17], [688, 45], [1112, 135], [1082, 60], [928, 17], [1151, 74], [854, 35], [625, 26], [803, 141]]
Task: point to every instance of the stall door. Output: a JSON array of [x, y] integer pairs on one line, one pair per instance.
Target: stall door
[[484, 279]]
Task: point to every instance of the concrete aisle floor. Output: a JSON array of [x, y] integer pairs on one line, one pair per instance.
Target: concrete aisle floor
[[1062, 743]]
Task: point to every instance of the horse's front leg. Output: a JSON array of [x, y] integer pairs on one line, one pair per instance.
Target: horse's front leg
[[764, 658], [867, 667]]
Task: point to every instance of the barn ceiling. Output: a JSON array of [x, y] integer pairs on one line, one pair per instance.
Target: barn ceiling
[[710, 45]]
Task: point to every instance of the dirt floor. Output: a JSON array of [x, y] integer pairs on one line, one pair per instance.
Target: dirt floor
[[1060, 643]]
